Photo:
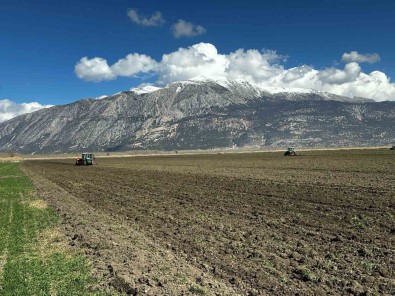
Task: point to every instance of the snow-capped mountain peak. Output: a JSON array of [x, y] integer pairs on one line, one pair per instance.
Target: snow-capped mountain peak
[[145, 89], [202, 114]]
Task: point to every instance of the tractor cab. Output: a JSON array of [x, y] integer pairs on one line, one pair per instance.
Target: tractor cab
[[290, 152], [86, 159]]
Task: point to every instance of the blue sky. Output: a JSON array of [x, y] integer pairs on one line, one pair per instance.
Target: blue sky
[[43, 40]]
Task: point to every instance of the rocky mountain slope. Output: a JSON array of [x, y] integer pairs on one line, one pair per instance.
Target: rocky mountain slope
[[202, 114]]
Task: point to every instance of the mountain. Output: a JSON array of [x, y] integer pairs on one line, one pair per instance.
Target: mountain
[[202, 114]]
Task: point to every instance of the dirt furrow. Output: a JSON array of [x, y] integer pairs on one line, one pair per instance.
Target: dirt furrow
[[260, 234]]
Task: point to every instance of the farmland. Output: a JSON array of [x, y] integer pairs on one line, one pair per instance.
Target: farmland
[[230, 224]]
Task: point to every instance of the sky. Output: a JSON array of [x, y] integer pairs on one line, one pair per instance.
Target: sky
[[57, 52]]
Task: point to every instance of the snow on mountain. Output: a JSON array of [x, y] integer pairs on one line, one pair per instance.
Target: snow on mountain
[[202, 113], [145, 89], [101, 97], [255, 90], [251, 90], [277, 90]]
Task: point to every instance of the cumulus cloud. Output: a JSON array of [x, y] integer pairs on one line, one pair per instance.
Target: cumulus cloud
[[186, 63], [263, 67], [335, 76], [253, 65], [375, 85], [133, 64], [153, 21], [10, 109], [187, 29], [354, 56], [97, 69]]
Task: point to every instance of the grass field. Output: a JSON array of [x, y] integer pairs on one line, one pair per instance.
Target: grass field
[[231, 224], [34, 258]]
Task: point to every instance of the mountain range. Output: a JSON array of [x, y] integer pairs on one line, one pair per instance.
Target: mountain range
[[202, 113]]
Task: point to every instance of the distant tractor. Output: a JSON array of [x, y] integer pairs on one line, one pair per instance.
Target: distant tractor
[[290, 152], [86, 159], [393, 147]]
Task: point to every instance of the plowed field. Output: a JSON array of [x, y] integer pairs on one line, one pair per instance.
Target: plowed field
[[229, 224]]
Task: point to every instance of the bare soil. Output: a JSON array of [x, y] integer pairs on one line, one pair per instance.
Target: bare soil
[[229, 224]]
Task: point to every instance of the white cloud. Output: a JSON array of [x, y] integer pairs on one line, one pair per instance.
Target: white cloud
[[10, 109], [335, 76], [153, 21], [133, 64], [97, 69], [354, 56], [261, 67], [186, 63], [187, 29], [375, 85], [253, 65]]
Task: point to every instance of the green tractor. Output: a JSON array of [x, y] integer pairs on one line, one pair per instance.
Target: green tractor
[[86, 159], [290, 152]]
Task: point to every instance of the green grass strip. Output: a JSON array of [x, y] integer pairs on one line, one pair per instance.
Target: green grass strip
[[23, 269]]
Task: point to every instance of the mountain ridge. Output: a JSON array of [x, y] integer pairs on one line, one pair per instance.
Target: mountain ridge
[[202, 114]]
